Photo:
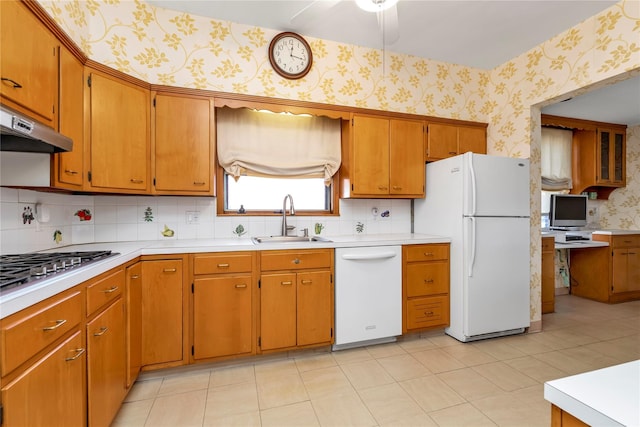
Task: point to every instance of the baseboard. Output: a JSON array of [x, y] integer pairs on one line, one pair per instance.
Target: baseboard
[[562, 291]]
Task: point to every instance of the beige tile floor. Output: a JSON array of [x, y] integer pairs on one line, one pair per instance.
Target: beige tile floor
[[432, 380]]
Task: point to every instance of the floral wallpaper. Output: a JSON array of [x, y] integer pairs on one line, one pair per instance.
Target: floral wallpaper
[[174, 48]]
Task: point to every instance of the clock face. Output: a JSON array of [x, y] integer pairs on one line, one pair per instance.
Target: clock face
[[290, 55]]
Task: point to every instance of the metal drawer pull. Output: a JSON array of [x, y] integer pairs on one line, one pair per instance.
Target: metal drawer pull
[[296, 261], [110, 290], [428, 254], [223, 265], [169, 270], [286, 283], [395, 187], [382, 187], [199, 183], [79, 352], [136, 181], [307, 282], [240, 286], [70, 172], [135, 276], [103, 330], [16, 85], [56, 326], [452, 152], [428, 280], [428, 313]]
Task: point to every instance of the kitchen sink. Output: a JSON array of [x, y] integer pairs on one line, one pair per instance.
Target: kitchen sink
[[288, 239]]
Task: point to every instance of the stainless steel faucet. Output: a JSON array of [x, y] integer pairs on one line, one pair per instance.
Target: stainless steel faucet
[[292, 211]]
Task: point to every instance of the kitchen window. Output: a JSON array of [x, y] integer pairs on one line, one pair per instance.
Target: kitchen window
[[264, 156]]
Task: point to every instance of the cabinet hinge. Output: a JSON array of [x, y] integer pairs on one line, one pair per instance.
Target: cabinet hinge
[[259, 341], [193, 288], [331, 332], [89, 176], [89, 81], [193, 350], [154, 101], [352, 187], [259, 283], [154, 181], [352, 121], [331, 278]]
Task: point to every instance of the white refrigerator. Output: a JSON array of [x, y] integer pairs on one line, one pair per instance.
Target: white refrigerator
[[482, 203]]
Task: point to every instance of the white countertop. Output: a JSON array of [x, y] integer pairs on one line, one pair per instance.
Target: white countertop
[[15, 300], [579, 244], [606, 397], [616, 232]]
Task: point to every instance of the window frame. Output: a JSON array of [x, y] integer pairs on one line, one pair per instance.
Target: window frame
[[221, 196]]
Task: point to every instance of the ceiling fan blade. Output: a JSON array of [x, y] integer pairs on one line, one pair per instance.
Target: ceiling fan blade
[[312, 11], [388, 23]]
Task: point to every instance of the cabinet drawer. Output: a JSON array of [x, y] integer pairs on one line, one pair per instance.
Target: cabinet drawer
[[26, 333], [295, 260], [427, 278], [223, 263], [548, 244], [432, 252], [628, 241], [104, 290], [426, 312]]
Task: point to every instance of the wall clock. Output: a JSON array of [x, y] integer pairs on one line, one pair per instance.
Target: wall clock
[[290, 55]]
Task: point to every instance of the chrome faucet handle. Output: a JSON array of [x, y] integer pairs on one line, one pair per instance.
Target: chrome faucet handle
[[306, 232]]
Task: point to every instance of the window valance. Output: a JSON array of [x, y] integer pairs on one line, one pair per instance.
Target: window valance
[[556, 159], [284, 145]]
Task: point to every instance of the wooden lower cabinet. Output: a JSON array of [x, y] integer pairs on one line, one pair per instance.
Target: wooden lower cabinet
[[50, 392], [425, 286], [560, 418], [224, 291], [296, 299], [106, 364], [548, 275], [608, 274], [163, 309]]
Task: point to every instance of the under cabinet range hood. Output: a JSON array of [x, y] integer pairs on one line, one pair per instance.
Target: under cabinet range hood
[[23, 134]]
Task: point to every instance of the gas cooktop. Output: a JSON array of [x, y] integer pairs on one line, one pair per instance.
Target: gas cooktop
[[26, 269]]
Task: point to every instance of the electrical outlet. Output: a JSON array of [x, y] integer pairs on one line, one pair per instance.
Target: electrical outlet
[[192, 217]]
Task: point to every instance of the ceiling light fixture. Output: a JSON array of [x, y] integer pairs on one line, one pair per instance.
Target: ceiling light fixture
[[375, 5]]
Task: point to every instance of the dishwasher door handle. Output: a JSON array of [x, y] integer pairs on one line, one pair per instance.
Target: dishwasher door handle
[[367, 257]]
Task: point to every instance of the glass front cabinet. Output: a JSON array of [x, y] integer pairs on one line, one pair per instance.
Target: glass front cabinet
[[611, 156]]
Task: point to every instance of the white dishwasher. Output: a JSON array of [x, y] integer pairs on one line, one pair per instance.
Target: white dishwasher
[[368, 295]]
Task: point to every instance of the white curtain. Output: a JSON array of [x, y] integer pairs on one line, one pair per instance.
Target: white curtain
[[556, 159], [267, 144]]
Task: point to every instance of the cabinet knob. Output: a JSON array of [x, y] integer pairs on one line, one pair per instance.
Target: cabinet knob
[[79, 352], [56, 326]]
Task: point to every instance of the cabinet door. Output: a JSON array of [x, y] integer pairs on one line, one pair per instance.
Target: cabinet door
[[625, 270], [370, 155], [222, 316], [472, 139], [29, 63], [406, 162], [68, 167], [314, 306], [134, 322], [183, 144], [106, 365], [442, 141], [633, 268], [603, 155], [51, 392], [119, 135], [277, 311], [162, 300], [548, 275], [618, 160]]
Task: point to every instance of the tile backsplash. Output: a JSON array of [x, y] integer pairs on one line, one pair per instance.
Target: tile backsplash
[[62, 219]]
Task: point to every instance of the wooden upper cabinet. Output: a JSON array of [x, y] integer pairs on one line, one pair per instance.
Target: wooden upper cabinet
[[183, 144], [118, 132], [383, 158], [28, 64], [406, 167], [610, 155], [370, 155], [68, 167], [446, 140]]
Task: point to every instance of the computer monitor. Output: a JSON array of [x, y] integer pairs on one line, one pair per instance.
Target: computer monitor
[[568, 211]]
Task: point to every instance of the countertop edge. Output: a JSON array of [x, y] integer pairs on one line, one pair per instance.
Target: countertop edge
[[14, 301]]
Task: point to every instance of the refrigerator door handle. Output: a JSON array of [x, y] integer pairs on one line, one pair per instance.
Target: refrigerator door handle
[[474, 191], [472, 236]]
